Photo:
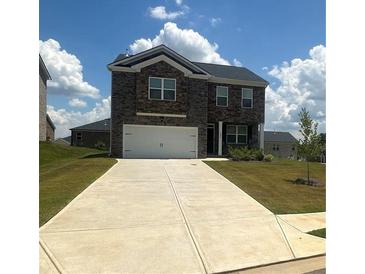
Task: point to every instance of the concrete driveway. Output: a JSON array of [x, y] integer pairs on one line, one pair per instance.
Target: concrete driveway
[[167, 216]]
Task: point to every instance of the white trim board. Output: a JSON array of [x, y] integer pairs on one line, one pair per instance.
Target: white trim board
[[160, 58], [161, 48], [161, 114]]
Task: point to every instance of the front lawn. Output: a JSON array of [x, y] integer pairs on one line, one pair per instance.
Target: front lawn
[[270, 184], [318, 232], [64, 172]]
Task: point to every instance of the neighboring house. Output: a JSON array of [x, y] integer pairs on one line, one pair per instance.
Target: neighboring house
[[280, 144], [166, 106], [46, 126], [50, 128], [64, 141], [95, 134]]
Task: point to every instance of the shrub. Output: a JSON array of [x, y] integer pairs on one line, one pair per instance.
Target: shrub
[[268, 158], [245, 154], [234, 153], [304, 181], [257, 154], [100, 145]]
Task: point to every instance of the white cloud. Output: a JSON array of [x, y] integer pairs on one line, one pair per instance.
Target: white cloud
[[178, 2], [186, 42], [160, 12], [64, 120], [302, 83], [65, 70], [77, 103], [237, 63], [215, 21]]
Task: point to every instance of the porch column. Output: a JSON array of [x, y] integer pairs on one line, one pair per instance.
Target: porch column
[[261, 135], [220, 134]]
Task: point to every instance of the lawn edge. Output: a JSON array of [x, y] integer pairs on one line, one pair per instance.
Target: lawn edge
[[239, 188], [204, 161], [76, 198]]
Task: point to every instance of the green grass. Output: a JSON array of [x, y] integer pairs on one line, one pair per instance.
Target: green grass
[[64, 172], [318, 232], [270, 184]]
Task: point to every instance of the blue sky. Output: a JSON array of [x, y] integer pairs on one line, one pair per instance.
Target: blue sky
[[256, 33]]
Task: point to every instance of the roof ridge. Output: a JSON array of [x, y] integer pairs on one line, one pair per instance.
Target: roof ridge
[[218, 64]]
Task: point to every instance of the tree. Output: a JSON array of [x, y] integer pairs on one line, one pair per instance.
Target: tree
[[309, 146]]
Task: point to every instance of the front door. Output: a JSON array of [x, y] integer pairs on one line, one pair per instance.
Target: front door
[[210, 139]]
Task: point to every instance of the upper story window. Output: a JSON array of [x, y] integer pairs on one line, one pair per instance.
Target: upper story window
[[236, 134], [275, 147], [247, 97], [222, 96], [79, 136], [162, 89]]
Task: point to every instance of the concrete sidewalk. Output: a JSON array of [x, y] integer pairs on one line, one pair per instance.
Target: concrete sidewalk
[[167, 216], [305, 222]]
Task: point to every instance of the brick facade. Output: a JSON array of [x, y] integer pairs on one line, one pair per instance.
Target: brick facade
[[49, 132], [42, 109], [194, 97], [234, 114]]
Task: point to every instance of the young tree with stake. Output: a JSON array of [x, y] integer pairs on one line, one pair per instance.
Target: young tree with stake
[[309, 146]]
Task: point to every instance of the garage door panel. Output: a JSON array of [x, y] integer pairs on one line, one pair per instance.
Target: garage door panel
[[159, 142]]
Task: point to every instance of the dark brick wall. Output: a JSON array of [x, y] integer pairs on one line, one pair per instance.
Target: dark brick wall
[[49, 132], [194, 97], [191, 97], [91, 138], [234, 113], [164, 70]]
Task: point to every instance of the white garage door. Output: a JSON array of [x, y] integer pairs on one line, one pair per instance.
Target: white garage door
[[140, 141]]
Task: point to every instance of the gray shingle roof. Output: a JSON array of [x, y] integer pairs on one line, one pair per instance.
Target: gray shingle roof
[[103, 125], [230, 72], [278, 136], [121, 56], [67, 139], [219, 71]]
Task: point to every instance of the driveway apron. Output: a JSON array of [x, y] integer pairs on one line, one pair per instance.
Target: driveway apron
[[167, 216]]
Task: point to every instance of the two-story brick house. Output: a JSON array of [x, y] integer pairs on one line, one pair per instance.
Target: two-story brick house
[[166, 106], [46, 126]]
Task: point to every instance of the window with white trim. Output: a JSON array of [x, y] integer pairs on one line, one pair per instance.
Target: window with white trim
[[222, 96], [162, 89], [236, 134], [247, 97], [79, 136]]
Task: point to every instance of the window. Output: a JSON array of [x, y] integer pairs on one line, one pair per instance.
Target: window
[[275, 147], [247, 97], [236, 134], [162, 89], [222, 96], [79, 136]]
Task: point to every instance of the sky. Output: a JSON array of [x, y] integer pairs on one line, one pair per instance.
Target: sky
[[283, 41]]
